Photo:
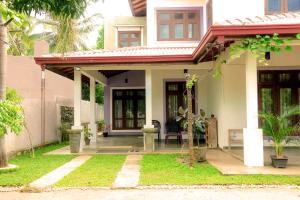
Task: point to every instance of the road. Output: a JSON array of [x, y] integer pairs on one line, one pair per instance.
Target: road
[[161, 194]]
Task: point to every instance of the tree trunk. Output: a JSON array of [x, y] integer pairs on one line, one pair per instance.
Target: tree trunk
[[190, 127], [3, 63]]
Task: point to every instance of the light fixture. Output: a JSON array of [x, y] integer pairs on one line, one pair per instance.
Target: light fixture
[[126, 79], [185, 71], [77, 68], [267, 55]]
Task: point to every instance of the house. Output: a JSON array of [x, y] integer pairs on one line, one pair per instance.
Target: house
[[148, 53]]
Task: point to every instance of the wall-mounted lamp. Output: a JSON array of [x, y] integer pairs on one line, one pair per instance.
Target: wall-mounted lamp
[[126, 80], [185, 71], [77, 68], [267, 55]]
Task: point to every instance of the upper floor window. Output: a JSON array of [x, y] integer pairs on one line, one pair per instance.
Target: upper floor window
[[129, 39], [281, 6], [178, 25]]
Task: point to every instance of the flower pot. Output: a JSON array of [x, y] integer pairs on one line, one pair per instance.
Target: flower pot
[[105, 134], [279, 162], [75, 137], [200, 153], [87, 141]]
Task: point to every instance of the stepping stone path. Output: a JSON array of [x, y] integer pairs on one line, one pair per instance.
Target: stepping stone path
[[129, 175], [59, 173]]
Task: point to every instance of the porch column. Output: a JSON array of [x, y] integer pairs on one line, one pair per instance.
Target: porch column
[[252, 135], [77, 103], [148, 88], [92, 124]]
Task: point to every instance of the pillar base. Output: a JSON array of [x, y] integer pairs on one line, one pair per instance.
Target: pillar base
[[81, 136], [149, 144], [253, 147]]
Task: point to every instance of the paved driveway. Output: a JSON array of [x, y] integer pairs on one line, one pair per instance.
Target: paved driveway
[[166, 194]]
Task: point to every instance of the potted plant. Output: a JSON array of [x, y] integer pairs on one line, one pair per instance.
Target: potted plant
[[100, 125], [279, 127], [106, 131], [199, 129], [87, 134]]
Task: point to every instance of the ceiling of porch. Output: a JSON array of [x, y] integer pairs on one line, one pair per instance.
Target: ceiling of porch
[[138, 7]]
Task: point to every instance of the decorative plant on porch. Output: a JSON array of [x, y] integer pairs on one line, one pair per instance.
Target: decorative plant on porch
[[279, 127]]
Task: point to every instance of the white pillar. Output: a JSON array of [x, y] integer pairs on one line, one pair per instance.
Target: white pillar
[[92, 124], [252, 135], [77, 104], [148, 87]]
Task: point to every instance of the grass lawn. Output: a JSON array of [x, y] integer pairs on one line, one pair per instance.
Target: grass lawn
[[100, 170], [33, 168], [165, 169]]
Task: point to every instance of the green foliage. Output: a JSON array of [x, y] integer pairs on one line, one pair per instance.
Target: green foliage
[[100, 94], [87, 131], [101, 125], [9, 14], [72, 8], [191, 80], [67, 114], [259, 46], [11, 113], [100, 38], [298, 36], [64, 127], [279, 127], [85, 94]]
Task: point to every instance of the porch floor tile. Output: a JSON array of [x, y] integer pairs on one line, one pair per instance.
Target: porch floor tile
[[230, 165]]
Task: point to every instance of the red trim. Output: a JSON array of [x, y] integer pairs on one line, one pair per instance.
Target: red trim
[[220, 32]]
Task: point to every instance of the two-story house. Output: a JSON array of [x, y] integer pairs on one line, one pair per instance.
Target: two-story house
[[147, 55]]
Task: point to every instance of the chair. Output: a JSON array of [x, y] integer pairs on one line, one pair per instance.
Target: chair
[[173, 129], [157, 125]]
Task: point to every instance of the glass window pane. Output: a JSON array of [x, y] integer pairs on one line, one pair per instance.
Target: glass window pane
[[190, 30], [130, 123], [293, 5], [118, 108], [124, 44], [285, 99], [274, 5], [164, 16], [284, 77], [178, 31], [141, 109], [266, 77], [124, 35], [129, 108], [178, 16], [141, 123], [172, 106], [192, 15], [164, 31], [172, 87], [134, 44], [267, 100], [118, 93], [134, 35], [118, 123]]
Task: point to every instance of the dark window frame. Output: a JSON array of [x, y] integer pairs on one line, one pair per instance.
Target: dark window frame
[[284, 8], [135, 97], [275, 84], [129, 40], [185, 21]]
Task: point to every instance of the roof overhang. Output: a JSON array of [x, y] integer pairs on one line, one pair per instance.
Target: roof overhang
[[138, 7]]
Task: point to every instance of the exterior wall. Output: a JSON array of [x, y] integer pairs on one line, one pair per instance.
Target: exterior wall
[[152, 5], [123, 23], [232, 9], [227, 100], [136, 79], [25, 76]]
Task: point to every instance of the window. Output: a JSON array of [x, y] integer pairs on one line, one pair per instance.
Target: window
[[281, 6], [129, 38], [178, 25], [128, 109], [277, 90]]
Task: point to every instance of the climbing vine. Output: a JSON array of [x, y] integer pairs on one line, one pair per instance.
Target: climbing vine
[[260, 46]]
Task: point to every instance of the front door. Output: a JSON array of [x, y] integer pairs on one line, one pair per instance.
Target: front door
[[175, 98]]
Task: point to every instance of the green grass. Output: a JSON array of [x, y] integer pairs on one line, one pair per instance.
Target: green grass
[[100, 170], [165, 169], [31, 169]]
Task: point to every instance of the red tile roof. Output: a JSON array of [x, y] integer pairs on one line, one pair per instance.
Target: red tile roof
[[283, 18]]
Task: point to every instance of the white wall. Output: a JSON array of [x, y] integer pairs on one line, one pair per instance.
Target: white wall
[[151, 19], [232, 9], [85, 112]]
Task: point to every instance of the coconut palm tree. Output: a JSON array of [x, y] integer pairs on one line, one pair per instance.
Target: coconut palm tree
[[65, 33]]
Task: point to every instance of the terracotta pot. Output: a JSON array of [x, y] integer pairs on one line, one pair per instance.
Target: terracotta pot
[[279, 162], [87, 141]]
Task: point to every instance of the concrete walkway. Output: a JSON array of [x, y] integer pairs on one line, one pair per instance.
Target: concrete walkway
[[229, 165], [129, 175], [59, 173]]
